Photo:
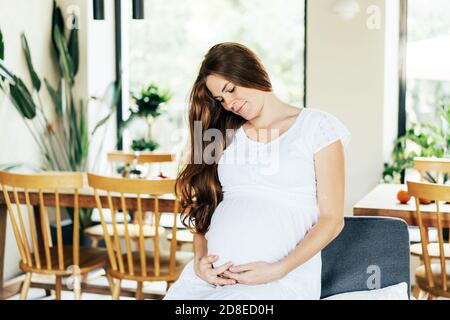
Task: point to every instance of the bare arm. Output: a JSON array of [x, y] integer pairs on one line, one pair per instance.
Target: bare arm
[[200, 246]]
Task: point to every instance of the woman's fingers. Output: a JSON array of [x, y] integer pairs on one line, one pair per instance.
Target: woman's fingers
[[238, 277], [222, 268], [232, 275], [222, 281], [214, 274], [210, 259], [242, 268]]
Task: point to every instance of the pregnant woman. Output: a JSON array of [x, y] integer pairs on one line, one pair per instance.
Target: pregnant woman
[[264, 191]]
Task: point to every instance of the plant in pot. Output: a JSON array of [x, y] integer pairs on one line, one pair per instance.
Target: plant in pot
[[147, 105], [62, 138], [420, 140]]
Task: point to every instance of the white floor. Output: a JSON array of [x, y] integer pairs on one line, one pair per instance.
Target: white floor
[[157, 287], [39, 294]]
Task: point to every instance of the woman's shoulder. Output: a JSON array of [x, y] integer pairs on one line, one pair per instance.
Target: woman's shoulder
[[312, 117], [316, 113], [317, 116], [324, 127]]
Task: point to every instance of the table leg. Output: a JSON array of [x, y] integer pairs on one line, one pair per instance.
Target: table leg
[[3, 221]]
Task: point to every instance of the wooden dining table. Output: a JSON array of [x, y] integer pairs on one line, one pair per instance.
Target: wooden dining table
[[382, 201], [86, 200]]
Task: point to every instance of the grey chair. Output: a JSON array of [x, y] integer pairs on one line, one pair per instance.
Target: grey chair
[[365, 246]]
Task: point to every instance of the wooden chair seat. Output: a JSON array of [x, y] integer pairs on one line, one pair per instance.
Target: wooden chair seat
[[437, 290], [133, 230], [90, 259], [182, 258], [433, 250]]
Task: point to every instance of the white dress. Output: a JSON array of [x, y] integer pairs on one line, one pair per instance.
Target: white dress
[[269, 205]]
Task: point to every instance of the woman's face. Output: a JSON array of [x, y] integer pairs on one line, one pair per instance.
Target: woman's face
[[245, 102]]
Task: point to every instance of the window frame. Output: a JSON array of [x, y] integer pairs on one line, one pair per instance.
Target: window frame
[[403, 40], [119, 63]]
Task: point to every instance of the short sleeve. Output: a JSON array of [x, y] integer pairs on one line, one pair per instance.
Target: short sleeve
[[327, 130]]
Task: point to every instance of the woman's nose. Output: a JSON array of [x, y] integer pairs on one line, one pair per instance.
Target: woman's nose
[[230, 103]]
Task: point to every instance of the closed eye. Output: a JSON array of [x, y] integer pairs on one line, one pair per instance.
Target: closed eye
[[231, 91]]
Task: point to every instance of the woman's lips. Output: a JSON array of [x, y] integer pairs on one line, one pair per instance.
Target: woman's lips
[[239, 110]]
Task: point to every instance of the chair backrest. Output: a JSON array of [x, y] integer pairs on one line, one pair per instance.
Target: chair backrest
[[17, 187], [367, 247], [140, 157], [426, 166], [141, 190], [438, 193]]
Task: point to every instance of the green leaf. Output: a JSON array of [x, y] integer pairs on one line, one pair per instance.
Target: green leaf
[[112, 94], [73, 45], [84, 132], [143, 145], [149, 101], [2, 47], [26, 51], [22, 100], [5, 73], [57, 22], [111, 98], [74, 134], [103, 121], [65, 61], [9, 166], [55, 96]]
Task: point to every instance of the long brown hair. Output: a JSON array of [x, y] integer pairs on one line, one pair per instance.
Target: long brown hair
[[198, 185]]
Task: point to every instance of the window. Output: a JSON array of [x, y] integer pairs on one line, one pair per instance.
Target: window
[[168, 46], [427, 60]]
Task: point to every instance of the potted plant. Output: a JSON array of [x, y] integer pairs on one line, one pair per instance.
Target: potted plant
[[147, 105], [420, 140], [64, 138]]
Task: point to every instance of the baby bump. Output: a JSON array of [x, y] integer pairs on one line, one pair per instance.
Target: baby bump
[[246, 229]]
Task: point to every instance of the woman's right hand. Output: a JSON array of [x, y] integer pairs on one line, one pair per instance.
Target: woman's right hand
[[204, 269]]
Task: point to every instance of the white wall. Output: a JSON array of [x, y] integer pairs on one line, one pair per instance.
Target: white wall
[[33, 17], [37, 15], [346, 77]]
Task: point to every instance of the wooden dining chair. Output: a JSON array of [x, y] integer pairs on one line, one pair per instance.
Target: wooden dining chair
[[431, 278], [37, 252], [138, 265], [95, 232], [433, 169], [139, 157], [429, 166]]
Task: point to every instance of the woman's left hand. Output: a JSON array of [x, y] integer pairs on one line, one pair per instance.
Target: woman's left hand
[[256, 272]]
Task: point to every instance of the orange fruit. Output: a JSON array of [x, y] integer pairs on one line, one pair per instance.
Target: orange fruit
[[425, 201], [403, 196]]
